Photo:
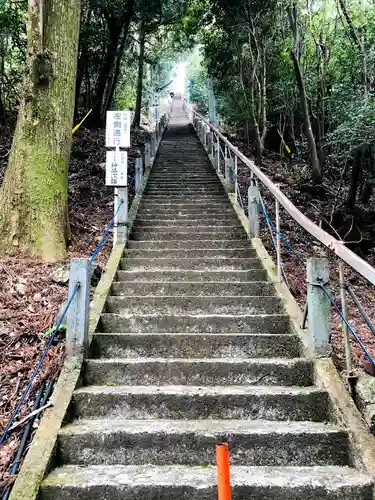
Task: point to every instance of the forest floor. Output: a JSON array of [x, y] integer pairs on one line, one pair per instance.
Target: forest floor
[[325, 205], [31, 292]]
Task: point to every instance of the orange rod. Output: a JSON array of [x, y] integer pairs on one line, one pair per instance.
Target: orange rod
[[223, 476]]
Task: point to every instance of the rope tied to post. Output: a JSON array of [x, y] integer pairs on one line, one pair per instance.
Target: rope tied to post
[[54, 332], [319, 283]]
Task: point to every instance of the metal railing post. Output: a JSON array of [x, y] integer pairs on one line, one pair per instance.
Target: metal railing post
[[204, 136], [344, 308], [138, 173], [319, 307], [153, 144], [218, 155], [77, 316], [235, 179], [253, 211], [120, 228], [209, 144], [147, 155], [278, 242]]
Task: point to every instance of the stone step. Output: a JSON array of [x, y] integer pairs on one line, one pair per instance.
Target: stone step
[[197, 289], [180, 345], [161, 264], [189, 244], [129, 306], [198, 276], [184, 234], [199, 483], [180, 198], [203, 222], [192, 217], [197, 402], [220, 206], [195, 253], [183, 179], [190, 371], [210, 323], [182, 186], [193, 442], [168, 191]]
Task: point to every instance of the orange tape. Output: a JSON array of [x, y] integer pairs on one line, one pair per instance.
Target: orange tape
[[223, 475]]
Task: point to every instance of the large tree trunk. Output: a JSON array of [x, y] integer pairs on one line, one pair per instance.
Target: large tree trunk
[[34, 194], [138, 105]]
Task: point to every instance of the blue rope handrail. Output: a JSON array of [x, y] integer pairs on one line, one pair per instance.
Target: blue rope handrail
[[340, 313], [54, 333], [321, 285]]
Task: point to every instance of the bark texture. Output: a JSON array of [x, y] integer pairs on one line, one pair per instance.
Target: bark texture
[[34, 193]]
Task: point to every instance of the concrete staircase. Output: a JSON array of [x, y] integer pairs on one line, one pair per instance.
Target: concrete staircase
[[194, 349]]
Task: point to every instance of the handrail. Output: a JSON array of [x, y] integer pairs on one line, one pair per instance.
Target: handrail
[[337, 246]]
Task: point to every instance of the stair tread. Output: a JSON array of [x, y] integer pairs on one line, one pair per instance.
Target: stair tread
[[330, 477], [200, 390], [201, 427], [268, 361]]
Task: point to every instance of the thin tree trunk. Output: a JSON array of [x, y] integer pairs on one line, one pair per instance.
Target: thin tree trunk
[[34, 193], [105, 72], [138, 105], [116, 73], [116, 26], [316, 172]]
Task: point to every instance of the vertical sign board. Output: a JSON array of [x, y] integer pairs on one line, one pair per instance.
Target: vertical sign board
[[117, 169], [117, 136], [118, 129]]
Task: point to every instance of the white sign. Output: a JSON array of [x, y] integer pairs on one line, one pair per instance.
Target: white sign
[[118, 129], [116, 173]]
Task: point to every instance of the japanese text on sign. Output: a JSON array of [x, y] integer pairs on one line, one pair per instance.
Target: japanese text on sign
[[117, 168], [118, 129]]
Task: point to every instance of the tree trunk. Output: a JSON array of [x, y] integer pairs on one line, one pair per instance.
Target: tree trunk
[[138, 105], [356, 172], [111, 52], [34, 193], [116, 73], [315, 165], [116, 26]]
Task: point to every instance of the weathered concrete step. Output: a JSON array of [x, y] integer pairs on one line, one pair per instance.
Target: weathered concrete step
[[150, 323], [184, 185], [199, 483], [193, 442], [198, 191], [177, 198], [196, 289], [198, 276], [216, 253], [193, 217], [202, 222], [185, 234], [221, 206], [190, 244], [190, 230], [128, 306], [197, 402], [190, 371], [185, 179], [176, 345], [220, 264]]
